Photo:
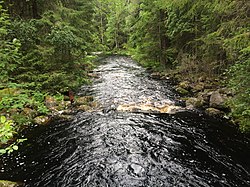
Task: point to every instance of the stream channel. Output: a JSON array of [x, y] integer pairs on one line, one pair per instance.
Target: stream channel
[[130, 149]]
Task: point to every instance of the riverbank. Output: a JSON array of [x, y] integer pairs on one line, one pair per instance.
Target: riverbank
[[22, 106], [58, 110], [200, 92], [148, 149]]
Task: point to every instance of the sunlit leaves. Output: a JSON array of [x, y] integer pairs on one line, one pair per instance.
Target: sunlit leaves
[[6, 130]]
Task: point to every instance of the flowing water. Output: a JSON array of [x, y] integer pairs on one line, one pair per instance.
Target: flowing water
[[111, 148]]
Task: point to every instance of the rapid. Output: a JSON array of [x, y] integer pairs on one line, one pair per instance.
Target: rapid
[[110, 148]]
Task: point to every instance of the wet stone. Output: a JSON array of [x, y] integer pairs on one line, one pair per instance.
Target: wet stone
[[136, 169]]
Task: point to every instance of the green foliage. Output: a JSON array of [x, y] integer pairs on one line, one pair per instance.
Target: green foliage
[[23, 98], [110, 17], [45, 48], [9, 49], [201, 38], [6, 130], [240, 83], [147, 41], [62, 37], [53, 47], [42, 51], [26, 32]]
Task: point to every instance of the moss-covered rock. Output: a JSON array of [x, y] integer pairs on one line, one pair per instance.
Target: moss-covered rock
[[198, 87], [205, 96], [83, 108], [182, 91], [217, 100], [214, 112], [30, 113], [185, 85], [85, 100], [193, 102], [50, 102]]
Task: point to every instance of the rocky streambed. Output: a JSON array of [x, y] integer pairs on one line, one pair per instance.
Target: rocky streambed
[[205, 94]]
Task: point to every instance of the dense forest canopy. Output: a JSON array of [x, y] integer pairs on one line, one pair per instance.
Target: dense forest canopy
[[44, 44]]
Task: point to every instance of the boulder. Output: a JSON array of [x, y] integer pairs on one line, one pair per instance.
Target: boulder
[[50, 102], [193, 102], [29, 112], [198, 87], [226, 91], [66, 112], [84, 100], [93, 75], [185, 85], [66, 117], [156, 75], [217, 100], [182, 91], [214, 112], [94, 105], [42, 120], [14, 111], [83, 108], [205, 96]]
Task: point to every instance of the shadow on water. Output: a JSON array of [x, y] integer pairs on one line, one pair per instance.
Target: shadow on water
[[111, 148]]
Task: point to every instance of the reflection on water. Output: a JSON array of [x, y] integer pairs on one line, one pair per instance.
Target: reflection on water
[[111, 148]]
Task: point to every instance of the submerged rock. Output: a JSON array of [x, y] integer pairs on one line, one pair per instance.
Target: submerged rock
[[169, 109]]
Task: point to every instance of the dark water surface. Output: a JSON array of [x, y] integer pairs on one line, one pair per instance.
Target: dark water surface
[[110, 148]]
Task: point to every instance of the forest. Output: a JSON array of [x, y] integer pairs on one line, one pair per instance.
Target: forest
[[46, 47]]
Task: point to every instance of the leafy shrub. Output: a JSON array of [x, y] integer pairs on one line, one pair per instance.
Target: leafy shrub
[[239, 81], [17, 99], [7, 132]]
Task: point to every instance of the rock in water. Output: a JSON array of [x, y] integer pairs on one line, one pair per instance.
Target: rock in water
[[214, 112], [148, 108], [42, 120]]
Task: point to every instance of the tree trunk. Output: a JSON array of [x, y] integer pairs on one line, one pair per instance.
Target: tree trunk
[[162, 39], [35, 9]]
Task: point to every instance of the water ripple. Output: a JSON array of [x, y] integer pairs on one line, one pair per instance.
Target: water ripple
[[131, 149]]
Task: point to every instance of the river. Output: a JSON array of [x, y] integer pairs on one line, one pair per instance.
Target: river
[[131, 149]]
